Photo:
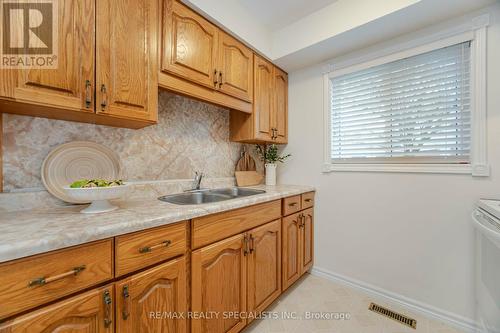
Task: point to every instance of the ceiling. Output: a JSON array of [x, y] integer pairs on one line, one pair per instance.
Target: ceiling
[[276, 14]]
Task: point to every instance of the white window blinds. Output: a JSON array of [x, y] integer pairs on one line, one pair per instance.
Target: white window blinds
[[414, 110]]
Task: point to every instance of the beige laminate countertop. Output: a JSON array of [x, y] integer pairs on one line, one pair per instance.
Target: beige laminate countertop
[[26, 233]]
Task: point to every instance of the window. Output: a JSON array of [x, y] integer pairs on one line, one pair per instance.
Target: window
[[411, 111], [415, 109]]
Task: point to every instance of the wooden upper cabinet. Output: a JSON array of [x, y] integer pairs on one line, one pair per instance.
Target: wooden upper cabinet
[[189, 45], [91, 312], [71, 84], [263, 100], [162, 290], [269, 121], [127, 69], [235, 68], [280, 107], [264, 266], [107, 68], [219, 284]]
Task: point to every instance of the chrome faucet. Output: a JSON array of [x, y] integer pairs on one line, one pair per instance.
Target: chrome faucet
[[197, 181]]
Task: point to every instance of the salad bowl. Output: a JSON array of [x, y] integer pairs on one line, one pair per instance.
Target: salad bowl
[[98, 196]]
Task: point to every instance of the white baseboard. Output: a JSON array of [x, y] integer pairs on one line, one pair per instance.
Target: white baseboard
[[426, 310]]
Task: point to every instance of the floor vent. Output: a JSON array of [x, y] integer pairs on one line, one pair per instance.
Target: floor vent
[[393, 315]]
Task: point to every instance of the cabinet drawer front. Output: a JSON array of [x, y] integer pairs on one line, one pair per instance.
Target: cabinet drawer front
[[145, 248], [307, 200], [209, 229], [291, 205], [36, 280]]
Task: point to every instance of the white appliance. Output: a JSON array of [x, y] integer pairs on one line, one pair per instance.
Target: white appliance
[[486, 220]]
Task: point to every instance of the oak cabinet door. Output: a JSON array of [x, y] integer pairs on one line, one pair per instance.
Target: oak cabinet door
[[70, 85], [307, 232], [264, 266], [91, 312], [189, 47], [127, 64], [280, 110], [160, 291], [219, 285], [235, 68], [291, 249], [263, 98]]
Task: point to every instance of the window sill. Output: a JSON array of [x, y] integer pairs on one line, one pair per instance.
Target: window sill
[[408, 168]]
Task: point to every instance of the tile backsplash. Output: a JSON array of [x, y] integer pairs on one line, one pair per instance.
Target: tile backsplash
[[190, 136]]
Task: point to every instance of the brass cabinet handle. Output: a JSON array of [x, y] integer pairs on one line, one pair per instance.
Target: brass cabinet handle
[[126, 300], [44, 280], [245, 245], [216, 81], [88, 94], [308, 200], [148, 249], [301, 219], [107, 308], [220, 80], [252, 244], [104, 102], [274, 133], [291, 204]]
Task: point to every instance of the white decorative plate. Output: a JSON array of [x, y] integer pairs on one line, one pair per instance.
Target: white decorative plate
[[78, 160]]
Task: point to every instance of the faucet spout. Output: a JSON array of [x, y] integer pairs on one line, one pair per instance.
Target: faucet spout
[[197, 180]]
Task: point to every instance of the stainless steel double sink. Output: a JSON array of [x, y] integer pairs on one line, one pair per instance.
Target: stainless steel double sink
[[198, 197]]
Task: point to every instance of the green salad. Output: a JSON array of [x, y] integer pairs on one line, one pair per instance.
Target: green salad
[[88, 183]]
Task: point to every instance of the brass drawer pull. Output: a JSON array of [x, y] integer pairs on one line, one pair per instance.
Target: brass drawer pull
[[308, 200], [292, 204], [43, 280], [148, 249], [107, 309]]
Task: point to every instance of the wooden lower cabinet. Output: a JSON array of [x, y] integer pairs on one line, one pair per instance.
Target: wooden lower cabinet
[[298, 247], [264, 266], [291, 248], [307, 251], [236, 278], [90, 312], [218, 285], [232, 280], [153, 300]]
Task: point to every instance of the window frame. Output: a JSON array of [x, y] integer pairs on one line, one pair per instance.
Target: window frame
[[478, 165]]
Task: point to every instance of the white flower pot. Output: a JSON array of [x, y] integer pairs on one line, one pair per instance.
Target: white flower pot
[[271, 174]]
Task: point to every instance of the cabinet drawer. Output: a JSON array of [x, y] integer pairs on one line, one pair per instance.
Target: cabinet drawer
[[291, 205], [145, 248], [307, 200], [209, 229], [39, 279]]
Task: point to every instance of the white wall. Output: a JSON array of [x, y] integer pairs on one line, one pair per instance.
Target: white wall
[[233, 16], [406, 233]]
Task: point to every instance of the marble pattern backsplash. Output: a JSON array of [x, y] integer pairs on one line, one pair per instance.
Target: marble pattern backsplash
[[190, 136]]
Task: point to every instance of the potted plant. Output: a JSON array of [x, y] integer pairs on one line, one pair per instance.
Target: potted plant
[[270, 157]]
